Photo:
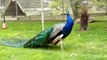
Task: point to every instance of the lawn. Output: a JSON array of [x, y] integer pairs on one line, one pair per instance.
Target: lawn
[[79, 45]]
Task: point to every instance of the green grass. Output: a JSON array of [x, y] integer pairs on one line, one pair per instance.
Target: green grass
[[79, 45]]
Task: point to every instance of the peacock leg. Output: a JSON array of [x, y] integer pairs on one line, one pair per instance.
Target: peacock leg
[[61, 40]]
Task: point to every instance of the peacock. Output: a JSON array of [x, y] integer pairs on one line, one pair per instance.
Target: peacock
[[52, 35]]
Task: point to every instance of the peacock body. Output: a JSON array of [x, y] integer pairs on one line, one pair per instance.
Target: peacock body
[[48, 36]]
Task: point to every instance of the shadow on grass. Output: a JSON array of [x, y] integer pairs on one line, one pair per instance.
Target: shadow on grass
[[49, 47]]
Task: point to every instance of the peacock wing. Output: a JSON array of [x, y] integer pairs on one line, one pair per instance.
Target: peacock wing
[[56, 29]]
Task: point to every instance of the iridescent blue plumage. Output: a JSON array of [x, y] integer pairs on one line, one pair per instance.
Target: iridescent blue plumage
[[64, 28], [68, 26], [48, 36]]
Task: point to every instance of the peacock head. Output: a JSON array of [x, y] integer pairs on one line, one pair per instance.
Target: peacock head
[[67, 12]]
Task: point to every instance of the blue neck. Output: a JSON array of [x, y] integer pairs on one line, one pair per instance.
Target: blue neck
[[69, 22], [68, 26]]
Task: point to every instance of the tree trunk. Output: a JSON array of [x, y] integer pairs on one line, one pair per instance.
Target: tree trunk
[[75, 9], [75, 12], [84, 20]]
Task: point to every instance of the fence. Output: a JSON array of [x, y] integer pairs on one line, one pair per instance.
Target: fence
[[32, 8]]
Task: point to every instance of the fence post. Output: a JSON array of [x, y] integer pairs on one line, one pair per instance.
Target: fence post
[[106, 7]]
